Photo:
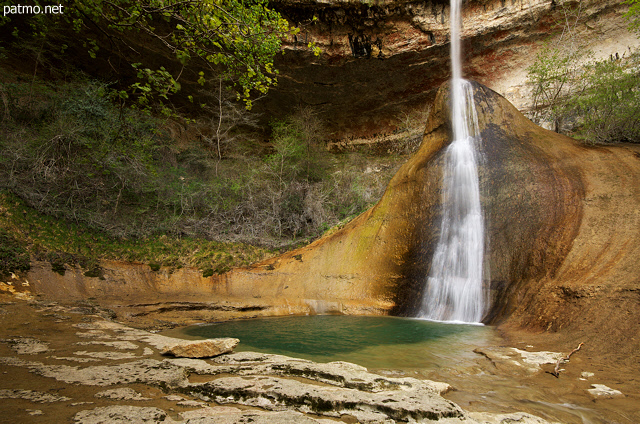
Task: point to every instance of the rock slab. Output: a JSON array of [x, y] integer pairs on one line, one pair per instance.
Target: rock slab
[[202, 348], [602, 391]]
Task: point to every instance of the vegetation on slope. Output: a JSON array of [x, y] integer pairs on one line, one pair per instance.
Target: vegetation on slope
[[87, 178], [597, 101], [25, 234]]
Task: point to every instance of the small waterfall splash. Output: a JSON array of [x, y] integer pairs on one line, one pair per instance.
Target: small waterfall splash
[[454, 286]]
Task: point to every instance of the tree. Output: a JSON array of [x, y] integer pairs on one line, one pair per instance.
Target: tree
[[228, 121], [232, 39], [555, 75], [600, 98]]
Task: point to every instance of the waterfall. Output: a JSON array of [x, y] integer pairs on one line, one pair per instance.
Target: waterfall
[[454, 285]]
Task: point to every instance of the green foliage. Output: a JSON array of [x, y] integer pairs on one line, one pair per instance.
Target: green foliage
[[555, 76], [68, 151], [297, 162], [234, 39], [633, 14], [156, 85], [609, 109], [297, 143], [239, 37], [289, 157], [13, 256], [597, 101], [600, 99], [73, 151]]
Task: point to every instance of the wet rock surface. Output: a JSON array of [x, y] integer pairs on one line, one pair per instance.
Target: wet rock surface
[[246, 386], [26, 345], [600, 390], [518, 361], [202, 348], [148, 387]]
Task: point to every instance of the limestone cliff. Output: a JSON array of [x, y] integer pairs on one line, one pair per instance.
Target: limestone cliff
[[384, 57], [563, 233], [563, 238]]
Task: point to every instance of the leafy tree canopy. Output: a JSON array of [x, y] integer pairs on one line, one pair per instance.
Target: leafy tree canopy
[[237, 39]]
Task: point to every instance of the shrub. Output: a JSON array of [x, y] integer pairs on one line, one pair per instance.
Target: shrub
[[597, 101], [70, 152], [13, 257], [555, 78], [609, 109]]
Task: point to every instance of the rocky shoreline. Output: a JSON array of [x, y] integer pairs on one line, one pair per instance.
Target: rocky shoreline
[[74, 364]]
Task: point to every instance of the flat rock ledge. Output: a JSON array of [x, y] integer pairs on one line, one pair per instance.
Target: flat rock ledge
[[518, 361], [602, 391], [239, 387], [201, 348]]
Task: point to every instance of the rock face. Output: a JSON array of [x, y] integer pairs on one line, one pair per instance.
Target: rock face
[[265, 388], [602, 391], [201, 348], [382, 58], [563, 238], [563, 232]]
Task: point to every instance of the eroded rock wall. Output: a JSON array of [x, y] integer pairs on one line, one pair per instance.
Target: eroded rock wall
[[563, 233], [532, 189], [381, 59], [563, 239]]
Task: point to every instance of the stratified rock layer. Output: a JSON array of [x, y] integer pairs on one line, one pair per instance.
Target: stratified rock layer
[[151, 388], [383, 58]]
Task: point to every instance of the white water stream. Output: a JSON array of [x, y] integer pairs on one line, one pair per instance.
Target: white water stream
[[454, 289]]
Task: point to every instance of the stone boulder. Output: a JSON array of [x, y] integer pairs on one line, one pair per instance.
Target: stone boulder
[[201, 348], [602, 391]]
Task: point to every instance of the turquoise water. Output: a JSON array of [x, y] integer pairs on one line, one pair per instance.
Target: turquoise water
[[410, 347], [373, 342]]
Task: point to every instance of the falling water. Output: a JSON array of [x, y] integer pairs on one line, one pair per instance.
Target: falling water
[[454, 285]]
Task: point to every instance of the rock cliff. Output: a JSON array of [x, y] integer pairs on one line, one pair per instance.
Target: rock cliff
[[382, 58], [563, 233]]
